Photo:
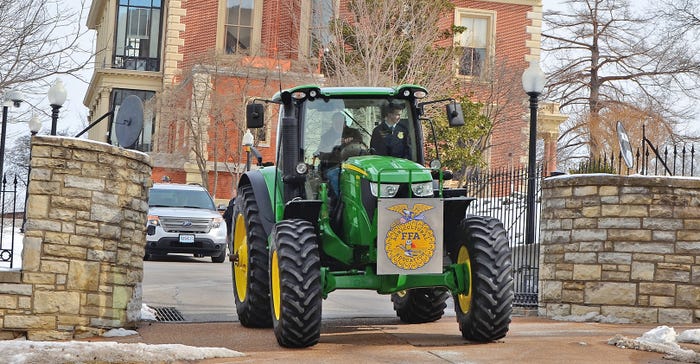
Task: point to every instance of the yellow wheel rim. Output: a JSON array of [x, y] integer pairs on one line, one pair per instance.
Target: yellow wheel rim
[[401, 293], [465, 300], [240, 265], [275, 289]]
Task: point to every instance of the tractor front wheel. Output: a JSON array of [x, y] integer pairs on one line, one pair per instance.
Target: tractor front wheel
[[295, 284], [420, 305], [251, 282], [484, 311]]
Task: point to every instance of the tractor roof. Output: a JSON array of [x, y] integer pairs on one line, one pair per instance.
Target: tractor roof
[[352, 91]]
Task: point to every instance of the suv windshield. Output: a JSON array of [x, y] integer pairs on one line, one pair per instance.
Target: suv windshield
[[360, 117], [180, 198]]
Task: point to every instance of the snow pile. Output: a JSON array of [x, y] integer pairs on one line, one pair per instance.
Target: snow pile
[[663, 339], [147, 313], [689, 336], [20, 352], [592, 317], [119, 332]]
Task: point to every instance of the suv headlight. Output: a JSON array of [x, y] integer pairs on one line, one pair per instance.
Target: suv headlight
[[216, 222], [388, 190], [153, 220], [423, 189]]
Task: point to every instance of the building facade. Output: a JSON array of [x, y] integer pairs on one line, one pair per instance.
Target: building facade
[[195, 64]]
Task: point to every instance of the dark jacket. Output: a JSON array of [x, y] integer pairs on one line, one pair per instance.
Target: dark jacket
[[393, 144]]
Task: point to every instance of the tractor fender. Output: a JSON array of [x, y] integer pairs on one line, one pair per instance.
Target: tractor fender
[[455, 211], [262, 196]]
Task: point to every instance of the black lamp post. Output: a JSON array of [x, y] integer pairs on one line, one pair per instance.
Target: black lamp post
[[57, 96], [247, 142], [10, 98], [34, 127], [533, 84]]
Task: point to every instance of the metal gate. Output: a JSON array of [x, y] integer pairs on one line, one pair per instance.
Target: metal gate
[[9, 222], [501, 194]]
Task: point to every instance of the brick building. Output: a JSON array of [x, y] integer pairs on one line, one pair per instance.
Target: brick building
[[205, 59]]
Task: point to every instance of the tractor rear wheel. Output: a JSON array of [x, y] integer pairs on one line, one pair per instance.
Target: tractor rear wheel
[[420, 305], [295, 282], [484, 311], [249, 264]]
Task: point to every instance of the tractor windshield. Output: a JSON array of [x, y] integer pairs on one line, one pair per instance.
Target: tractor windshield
[[340, 128]]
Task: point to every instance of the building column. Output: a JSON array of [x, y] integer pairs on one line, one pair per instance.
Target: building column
[[548, 121]]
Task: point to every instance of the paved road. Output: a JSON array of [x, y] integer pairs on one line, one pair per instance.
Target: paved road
[[202, 291]]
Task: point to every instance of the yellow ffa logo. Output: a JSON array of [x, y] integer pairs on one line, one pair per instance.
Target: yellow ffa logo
[[410, 242]]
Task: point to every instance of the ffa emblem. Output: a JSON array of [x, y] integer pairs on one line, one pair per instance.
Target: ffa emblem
[[410, 242], [399, 135]]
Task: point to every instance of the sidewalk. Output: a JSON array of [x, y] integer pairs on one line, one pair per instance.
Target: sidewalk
[[375, 340]]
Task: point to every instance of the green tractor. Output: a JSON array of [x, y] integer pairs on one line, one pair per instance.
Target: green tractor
[[322, 219]]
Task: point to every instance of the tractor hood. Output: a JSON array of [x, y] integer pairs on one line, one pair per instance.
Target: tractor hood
[[383, 169]]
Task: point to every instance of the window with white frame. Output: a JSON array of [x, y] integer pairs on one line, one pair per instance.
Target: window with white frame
[[242, 22], [475, 42], [137, 36]]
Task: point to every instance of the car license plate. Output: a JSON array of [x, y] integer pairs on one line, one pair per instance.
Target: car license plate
[[187, 238]]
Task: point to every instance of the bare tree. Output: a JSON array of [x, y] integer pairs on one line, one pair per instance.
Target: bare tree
[[390, 42], [602, 57], [202, 119], [38, 39]]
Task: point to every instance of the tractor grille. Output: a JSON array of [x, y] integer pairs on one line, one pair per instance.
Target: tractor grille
[[185, 225], [168, 314]]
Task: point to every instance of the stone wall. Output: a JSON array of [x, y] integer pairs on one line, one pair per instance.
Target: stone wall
[[622, 246], [84, 242]]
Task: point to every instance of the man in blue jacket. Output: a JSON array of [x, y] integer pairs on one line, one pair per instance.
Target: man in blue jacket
[[391, 137]]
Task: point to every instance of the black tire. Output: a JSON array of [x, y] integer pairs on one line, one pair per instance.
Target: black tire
[[295, 281], [249, 267], [420, 305], [482, 244], [220, 258]]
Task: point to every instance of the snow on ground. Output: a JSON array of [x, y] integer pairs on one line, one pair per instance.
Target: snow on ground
[[663, 339], [12, 242], [21, 352]]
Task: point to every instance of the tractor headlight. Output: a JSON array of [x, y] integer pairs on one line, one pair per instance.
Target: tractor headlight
[[302, 168], [388, 190], [423, 189]]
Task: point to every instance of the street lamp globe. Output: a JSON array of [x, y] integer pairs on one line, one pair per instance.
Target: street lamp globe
[[57, 96], [16, 97], [34, 124], [533, 79], [57, 93]]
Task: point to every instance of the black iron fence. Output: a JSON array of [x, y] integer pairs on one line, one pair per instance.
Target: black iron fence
[[502, 194], [10, 222], [647, 159]]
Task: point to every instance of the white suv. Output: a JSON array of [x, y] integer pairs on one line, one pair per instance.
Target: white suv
[[184, 219]]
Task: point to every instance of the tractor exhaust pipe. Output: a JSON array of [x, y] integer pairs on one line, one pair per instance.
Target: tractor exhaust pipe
[[290, 157]]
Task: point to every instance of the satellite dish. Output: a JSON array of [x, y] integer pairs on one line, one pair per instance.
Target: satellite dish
[[625, 147], [129, 121]]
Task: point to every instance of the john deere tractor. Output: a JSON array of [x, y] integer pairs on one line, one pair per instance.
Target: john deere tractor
[[390, 227]]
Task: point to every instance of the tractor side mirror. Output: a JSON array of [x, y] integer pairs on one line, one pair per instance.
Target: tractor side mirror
[[454, 114], [254, 116]]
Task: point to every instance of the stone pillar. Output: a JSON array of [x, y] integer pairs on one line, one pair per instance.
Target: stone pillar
[[621, 246], [84, 241]]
